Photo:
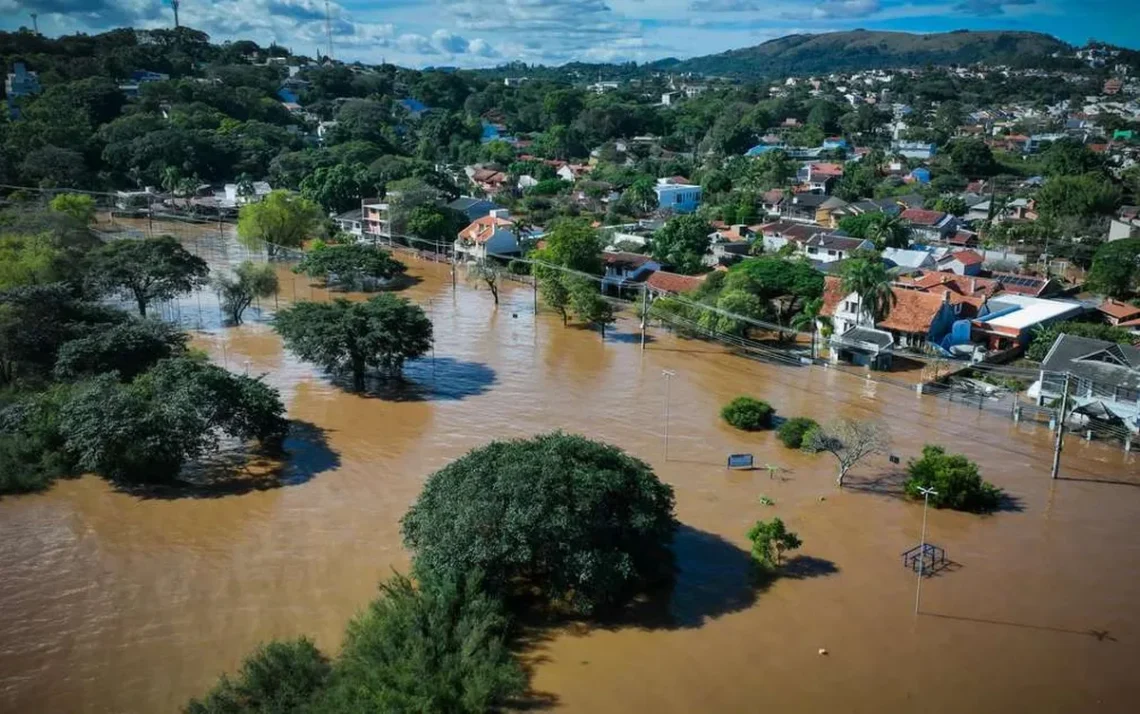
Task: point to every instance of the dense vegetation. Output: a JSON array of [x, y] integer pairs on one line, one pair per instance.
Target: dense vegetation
[[748, 414], [88, 388], [577, 524], [792, 432], [955, 480]]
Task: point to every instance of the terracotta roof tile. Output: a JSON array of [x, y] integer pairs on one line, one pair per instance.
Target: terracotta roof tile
[[673, 282], [913, 311], [1119, 310], [481, 230], [923, 217]]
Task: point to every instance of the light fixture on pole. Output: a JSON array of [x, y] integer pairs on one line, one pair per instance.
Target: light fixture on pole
[[668, 383], [926, 494]]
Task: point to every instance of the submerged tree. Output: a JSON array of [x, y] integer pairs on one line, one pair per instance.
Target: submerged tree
[[770, 539], [589, 306], [147, 270], [352, 266], [849, 441], [249, 282], [578, 523], [278, 678], [343, 336], [487, 273], [281, 219]]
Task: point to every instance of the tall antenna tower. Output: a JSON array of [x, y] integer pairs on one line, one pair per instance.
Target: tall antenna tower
[[328, 27], [35, 23], [174, 4]]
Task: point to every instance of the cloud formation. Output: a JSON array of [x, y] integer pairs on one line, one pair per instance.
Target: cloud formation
[[829, 9], [988, 8]]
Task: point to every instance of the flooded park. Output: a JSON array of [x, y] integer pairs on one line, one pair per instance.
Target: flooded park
[[114, 602]]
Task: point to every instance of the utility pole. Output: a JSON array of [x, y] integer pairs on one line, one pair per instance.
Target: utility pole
[[1061, 426], [926, 494], [668, 383]]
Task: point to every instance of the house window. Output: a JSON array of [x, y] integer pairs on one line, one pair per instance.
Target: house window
[[1129, 396], [813, 251], [850, 306], [677, 198], [831, 252]]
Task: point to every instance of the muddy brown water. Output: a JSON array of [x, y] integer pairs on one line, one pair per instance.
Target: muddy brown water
[[114, 603]]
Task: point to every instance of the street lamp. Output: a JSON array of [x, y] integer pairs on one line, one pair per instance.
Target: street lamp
[[668, 383], [926, 494]]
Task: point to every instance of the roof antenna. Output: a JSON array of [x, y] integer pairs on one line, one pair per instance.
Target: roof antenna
[[35, 23], [174, 4]]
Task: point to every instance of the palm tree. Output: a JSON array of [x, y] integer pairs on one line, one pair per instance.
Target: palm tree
[[888, 231], [868, 278]]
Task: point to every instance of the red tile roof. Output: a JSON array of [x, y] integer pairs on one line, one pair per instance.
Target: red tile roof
[[673, 282], [774, 196], [827, 169], [482, 229], [938, 281], [1119, 310], [913, 311], [923, 217], [965, 257], [622, 258], [963, 238], [833, 294]]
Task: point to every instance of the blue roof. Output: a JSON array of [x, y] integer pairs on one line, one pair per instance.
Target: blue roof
[[414, 106], [288, 96], [762, 149]]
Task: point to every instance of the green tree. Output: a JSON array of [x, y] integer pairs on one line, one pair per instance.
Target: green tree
[[748, 414], [278, 678], [344, 336], [641, 196], [28, 260], [1084, 196], [972, 158], [888, 231], [353, 266], [280, 219], [955, 480], [683, 243], [433, 224], [1069, 157], [555, 293], [32, 453], [792, 432], [440, 647], [572, 243], [339, 187], [770, 540], [147, 270], [589, 306], [174, 413], [954, 205], [867, 277], [785, 285], [129, 349], [580, 524], [250, 281], [79, 206]]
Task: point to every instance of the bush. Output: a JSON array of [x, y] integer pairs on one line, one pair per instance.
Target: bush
[[770, 539], [810, 440], [278, 678], [32, 454], [792, 432], [573, 522], [748, 414], [955, 479]]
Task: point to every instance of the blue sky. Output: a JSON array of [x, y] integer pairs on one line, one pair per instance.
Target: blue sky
[[472, 33]]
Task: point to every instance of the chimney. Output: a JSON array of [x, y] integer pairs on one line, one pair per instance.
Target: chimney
[[946, 297]]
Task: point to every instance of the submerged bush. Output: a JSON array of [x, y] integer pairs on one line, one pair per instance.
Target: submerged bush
[[955, 479], [748, 414], [792, 432], [279, 678]]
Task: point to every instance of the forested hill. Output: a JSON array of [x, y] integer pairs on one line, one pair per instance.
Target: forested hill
[[863, 49]]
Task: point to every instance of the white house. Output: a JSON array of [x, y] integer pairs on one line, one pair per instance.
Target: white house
[[490, 236], [351, 222], [914, 149], [831, 247], [21, 82], [677, 195], [234, 197]]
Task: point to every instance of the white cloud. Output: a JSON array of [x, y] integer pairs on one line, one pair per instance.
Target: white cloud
[[828, 9], [449, 43]]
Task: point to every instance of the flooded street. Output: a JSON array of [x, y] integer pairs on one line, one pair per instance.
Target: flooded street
[[114, 603]]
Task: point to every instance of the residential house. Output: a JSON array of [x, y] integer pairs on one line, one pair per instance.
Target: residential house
[[729, 244], [234, 196], [929, 226], [963, 238], [804, 206], [572, 172], [492, 236], [914, 149], [1115, 312], [624, 270], [773, 201], [1027, 285], [905, 261], [676, 194], [1104, 379], [938, 281], [829, 212], [832, 247], [819, 177], [473, 208], [781, 233], [1010, 319], [919, 175], [377, 220], [665, 283], [351, 222], [490, 181], [962, 262], [835, 143]]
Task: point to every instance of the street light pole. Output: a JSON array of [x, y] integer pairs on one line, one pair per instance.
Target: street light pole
[[926, 494], [668, 383]]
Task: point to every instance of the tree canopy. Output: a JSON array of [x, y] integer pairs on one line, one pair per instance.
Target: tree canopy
[[955, 480], [280, 219], [585, 525], [341, 336], [683, 243], [148, 270], [352, 266]]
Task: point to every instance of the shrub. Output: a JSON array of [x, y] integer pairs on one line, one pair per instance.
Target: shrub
[[809, 442], [571, 521], [769, 541], [792, 432], [955, 479], [278, 678], [747, 414]]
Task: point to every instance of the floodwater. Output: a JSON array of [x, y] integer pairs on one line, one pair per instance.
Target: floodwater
[[112, 602]]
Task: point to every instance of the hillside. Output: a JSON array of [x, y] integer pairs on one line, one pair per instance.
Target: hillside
[[863, 49]]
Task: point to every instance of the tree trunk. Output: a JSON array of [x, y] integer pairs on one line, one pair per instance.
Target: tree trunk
[[603, 332], [141, 300], [842, 475], [358, 374]]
